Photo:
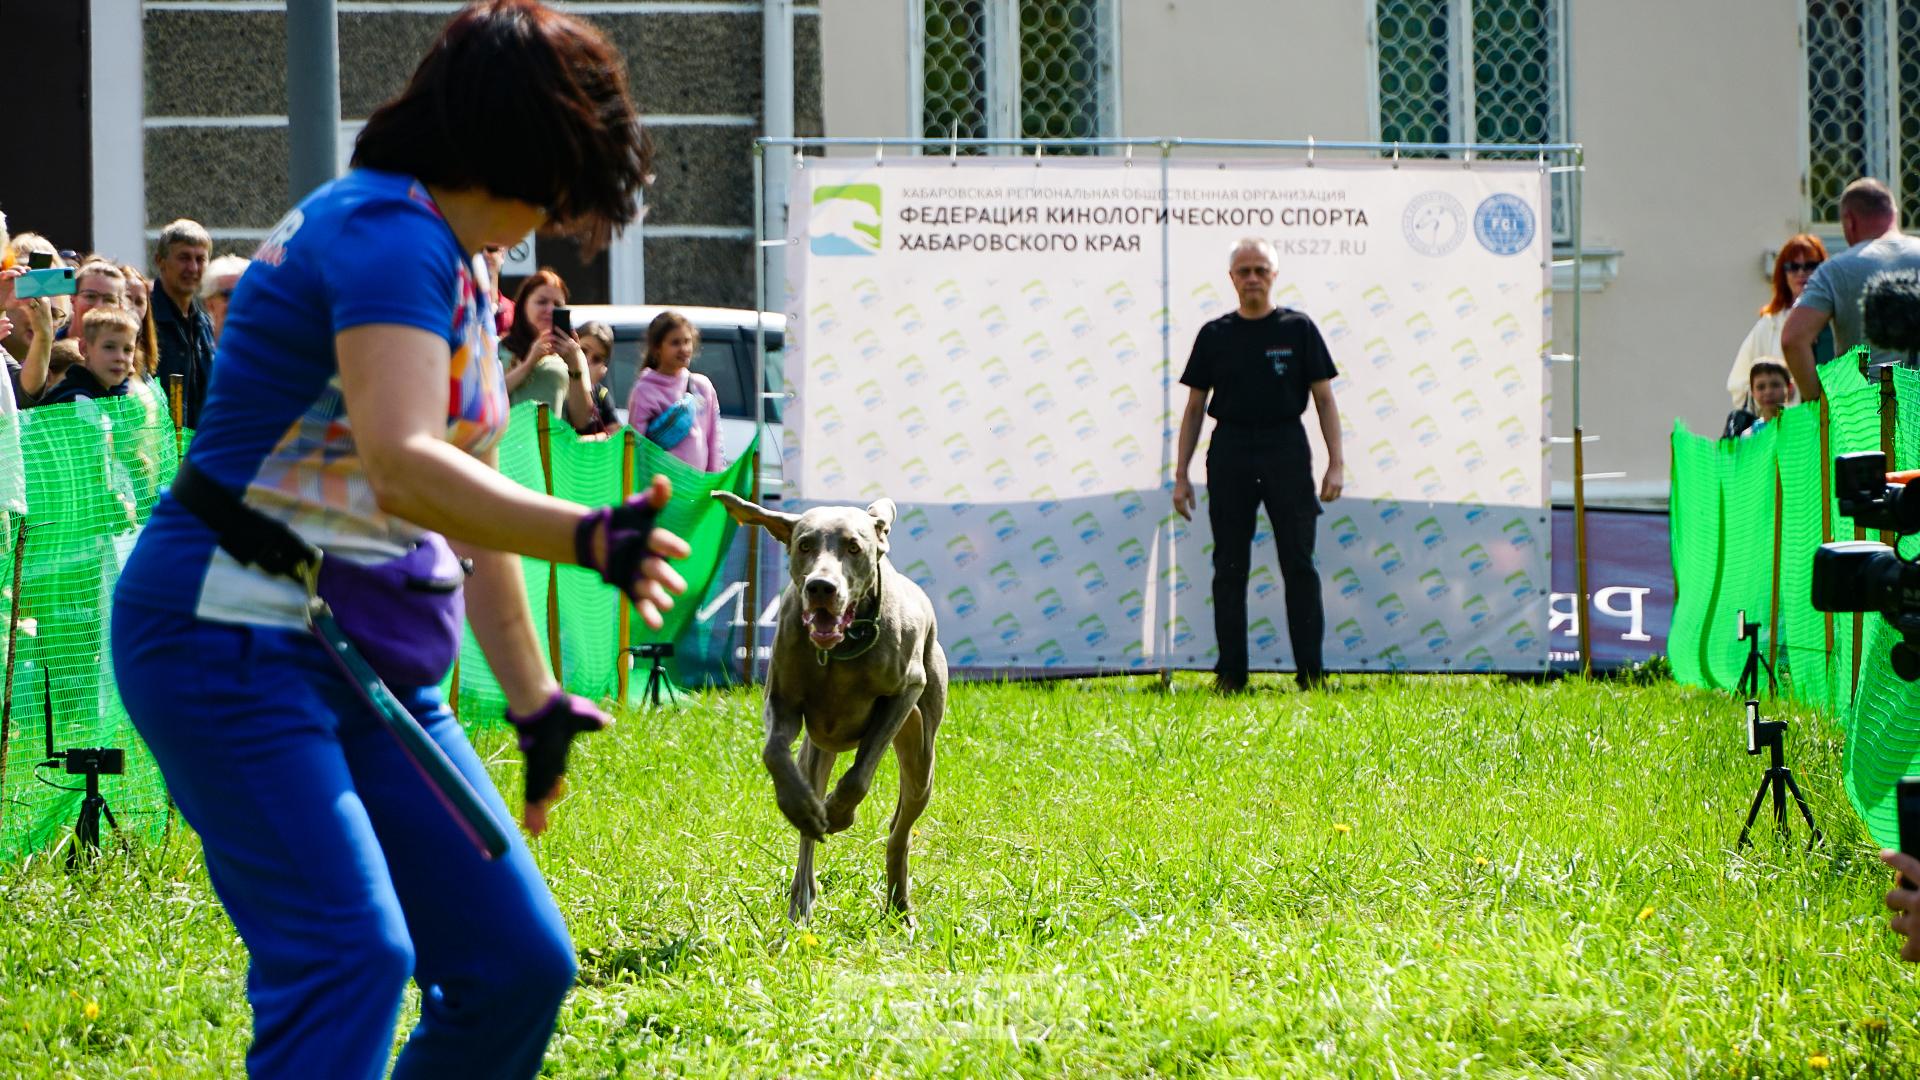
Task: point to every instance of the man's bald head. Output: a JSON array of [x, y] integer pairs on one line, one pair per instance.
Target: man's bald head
[[1254, 244], [1866, 210]]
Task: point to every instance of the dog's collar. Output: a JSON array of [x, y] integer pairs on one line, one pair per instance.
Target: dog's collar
[[861, 633]]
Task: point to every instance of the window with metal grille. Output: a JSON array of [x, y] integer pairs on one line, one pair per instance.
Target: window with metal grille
[[1863, 100], [1039, 69], [1486, 71]]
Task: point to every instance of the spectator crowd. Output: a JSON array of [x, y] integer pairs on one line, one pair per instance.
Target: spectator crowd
[[1815, 311], [120, 332]]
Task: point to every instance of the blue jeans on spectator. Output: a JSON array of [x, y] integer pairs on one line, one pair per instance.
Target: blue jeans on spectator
[[337, 863]]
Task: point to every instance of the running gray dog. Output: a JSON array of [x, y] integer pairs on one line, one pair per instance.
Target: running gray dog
[[856, 666]]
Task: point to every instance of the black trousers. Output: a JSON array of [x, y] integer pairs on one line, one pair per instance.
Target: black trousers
[[1244, 471]]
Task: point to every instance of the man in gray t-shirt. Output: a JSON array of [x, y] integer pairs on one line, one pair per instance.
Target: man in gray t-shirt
[[1872, 228]]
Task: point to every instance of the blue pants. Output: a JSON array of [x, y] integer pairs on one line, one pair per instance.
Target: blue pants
[[341, 869]]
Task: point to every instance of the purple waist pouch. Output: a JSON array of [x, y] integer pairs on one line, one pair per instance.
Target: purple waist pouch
[[404, 614]]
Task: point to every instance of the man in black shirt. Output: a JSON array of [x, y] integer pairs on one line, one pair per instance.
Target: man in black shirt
[[184, 328], [1259, 365]]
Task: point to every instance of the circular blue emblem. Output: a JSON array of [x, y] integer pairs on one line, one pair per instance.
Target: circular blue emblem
[[1434, 223], [1504, 224]]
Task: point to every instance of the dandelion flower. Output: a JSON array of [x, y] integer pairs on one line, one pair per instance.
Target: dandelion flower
[[1646, 913], [1479, 860], [809, 940], [1874, 1023], [1818, 1061], [92, 1010], [1342, 827]]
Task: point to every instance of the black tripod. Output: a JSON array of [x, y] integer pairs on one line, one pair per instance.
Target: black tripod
[[1770, 735], [89, 763], [657, 681], [1749, 685]]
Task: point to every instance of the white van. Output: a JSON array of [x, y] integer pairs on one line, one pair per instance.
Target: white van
[[727, 341]]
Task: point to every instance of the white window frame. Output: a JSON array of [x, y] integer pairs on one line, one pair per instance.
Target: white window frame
[[1882, 148], [1003, 68], [1462, 95]]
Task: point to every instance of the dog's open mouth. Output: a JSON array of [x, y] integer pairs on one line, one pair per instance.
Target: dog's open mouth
[[825, 629]]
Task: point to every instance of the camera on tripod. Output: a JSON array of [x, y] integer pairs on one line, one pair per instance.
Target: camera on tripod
[[98, 760], [1861, 575]]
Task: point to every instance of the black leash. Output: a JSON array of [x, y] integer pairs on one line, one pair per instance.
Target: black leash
[[254, 539]]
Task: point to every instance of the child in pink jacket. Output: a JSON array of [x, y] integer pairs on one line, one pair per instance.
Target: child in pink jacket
[[671, 405]]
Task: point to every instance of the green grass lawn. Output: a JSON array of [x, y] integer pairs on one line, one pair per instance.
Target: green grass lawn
[[1406, 877]]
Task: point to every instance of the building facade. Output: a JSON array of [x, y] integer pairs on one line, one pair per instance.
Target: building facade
[[1711, 135], [184, 114]]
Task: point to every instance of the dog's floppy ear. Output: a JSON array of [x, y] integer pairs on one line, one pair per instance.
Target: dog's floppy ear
[[778, 525], [883, 513]]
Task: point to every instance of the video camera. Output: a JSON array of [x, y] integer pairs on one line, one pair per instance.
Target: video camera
[[1861, 575]]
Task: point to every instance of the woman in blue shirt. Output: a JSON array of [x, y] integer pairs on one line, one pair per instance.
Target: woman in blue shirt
[[357, 401]]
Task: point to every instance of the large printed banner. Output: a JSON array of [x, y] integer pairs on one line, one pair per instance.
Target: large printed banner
[[996, 345]]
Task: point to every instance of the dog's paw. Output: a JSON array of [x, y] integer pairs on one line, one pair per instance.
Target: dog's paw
[[841, 810], [804, 810]]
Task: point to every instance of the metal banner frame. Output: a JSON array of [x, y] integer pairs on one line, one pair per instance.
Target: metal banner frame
[[1552, 159]]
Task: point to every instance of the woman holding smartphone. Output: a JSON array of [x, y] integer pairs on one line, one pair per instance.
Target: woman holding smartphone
[[354, 412]]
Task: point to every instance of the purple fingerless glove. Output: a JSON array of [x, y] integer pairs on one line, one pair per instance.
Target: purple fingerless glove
[[627, 527], [547, 735]]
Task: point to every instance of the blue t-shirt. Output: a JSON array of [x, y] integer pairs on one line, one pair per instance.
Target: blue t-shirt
[[368, 248]]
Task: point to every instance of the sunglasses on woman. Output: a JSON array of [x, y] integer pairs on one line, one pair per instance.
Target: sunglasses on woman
[[1809, 266]]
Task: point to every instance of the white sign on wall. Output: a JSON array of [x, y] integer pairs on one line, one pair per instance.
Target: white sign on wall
[[990, 344]]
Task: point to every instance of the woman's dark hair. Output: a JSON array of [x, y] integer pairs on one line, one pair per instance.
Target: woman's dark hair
[[521, 334], [660, 329], [524, 103]]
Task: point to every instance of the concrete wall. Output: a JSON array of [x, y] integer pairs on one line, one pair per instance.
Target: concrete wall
[[1694, 173], [1244, 69], [863, 53], [1694, 158], [216, 140]]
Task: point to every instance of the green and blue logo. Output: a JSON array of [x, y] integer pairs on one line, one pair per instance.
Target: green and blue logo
[[1391, 608], [1051, 605], [1004, 577], [1475, 609], [1046, 551], [1003, 525], [1092, 580], [1345, 532], [845, 220], [962, 601], [1477, 559]]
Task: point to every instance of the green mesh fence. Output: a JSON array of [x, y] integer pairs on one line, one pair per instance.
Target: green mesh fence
[[590, 471], [1805, 642], [1721, 517], [83, 476], [1722, 536]]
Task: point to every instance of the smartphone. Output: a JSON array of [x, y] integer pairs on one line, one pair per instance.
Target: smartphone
[[49, 281], [563, 320], [1906, 801]]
